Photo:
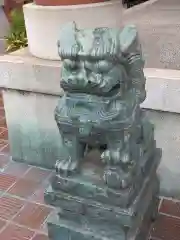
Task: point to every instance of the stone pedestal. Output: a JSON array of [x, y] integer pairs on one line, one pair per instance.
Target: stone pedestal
[[42, 44], [90, 210]]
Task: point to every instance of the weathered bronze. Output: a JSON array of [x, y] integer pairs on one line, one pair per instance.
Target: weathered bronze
[[104, 84]]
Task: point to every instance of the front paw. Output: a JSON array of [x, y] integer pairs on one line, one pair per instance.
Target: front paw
[[66, 167], [111, 157]]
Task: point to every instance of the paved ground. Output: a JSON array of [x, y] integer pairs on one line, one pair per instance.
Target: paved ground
[[159, 29], [23, 213]]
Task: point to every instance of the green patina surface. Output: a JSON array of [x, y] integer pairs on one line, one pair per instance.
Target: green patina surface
[[113, 196], [36, 146], [102, 76]]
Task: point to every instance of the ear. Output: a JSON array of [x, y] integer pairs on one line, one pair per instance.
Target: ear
[[128, 38]]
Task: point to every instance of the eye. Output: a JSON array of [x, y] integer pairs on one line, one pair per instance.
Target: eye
[[70, 64]]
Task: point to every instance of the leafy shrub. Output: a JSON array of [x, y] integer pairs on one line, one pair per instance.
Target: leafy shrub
[[17, 37]]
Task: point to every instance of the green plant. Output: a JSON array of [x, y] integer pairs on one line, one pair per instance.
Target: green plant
[[17, 37]]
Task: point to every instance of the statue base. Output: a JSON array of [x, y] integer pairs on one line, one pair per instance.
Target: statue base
[[59, 229], [96, 213]]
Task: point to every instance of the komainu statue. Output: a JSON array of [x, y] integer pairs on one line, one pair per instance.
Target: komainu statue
[[102, 76], [104, 85]]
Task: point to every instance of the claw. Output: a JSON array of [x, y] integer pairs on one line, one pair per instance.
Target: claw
[[116, 179], [66, 167], [110, 156]]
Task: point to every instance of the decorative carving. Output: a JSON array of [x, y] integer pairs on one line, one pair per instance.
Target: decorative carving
[[102, 77]]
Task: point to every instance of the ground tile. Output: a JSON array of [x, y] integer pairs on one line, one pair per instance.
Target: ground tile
[[4, 146], [4, 134], [14, 232], [44, 227], [2, 223], [4, 160], [3, 122], [166, 228], [38, 196], [2, 112], [1, 102], [23, 188], [170, 207], [6, 181], [32, 215], [17, 169], [9, 207], [37, 174]]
